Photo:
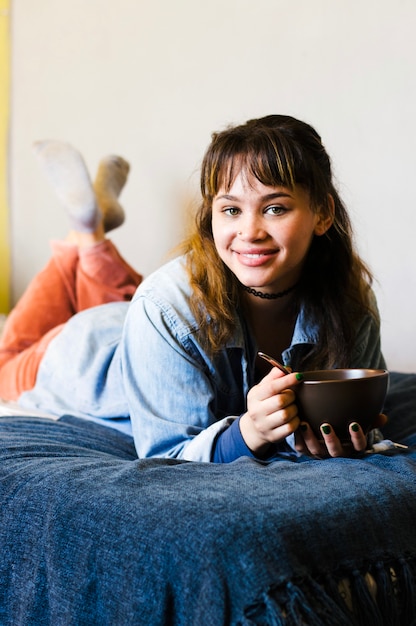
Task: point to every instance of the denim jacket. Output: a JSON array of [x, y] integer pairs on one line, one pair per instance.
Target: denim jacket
[[145, 362]]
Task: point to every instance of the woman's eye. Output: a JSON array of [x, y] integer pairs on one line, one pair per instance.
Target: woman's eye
[[276, 209], [231, 210]]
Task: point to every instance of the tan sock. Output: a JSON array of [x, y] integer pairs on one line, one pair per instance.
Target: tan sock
[[66, 171], [110, 179]]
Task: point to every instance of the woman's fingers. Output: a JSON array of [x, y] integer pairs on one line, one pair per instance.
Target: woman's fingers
[[272, 413], [331, 441], [336, 448], [358, 439], [307, 443], [280, 402], [275, 382], [273, 393]]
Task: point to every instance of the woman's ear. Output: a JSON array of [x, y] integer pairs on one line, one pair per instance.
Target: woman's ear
[[325, 218]]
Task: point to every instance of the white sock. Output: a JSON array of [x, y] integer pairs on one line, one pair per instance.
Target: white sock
[[66, 171], [111, 177]]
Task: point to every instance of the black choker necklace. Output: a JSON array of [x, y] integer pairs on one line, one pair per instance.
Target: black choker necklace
[[269, 296]]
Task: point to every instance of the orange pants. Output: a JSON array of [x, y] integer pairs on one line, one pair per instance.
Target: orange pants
[[73, 280]]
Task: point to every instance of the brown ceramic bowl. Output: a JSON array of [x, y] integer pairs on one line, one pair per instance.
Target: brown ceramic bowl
[[341, 396]]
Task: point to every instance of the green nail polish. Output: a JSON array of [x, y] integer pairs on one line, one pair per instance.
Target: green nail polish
[[326, 429], [355, 427], [299, 376], [304, 427]]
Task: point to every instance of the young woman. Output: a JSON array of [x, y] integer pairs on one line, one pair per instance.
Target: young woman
[[270, 266]]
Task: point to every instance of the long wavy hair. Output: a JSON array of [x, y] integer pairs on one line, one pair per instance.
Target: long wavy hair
[[334, 291]]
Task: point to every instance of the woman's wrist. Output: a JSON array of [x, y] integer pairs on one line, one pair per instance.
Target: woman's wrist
[[252, 439]]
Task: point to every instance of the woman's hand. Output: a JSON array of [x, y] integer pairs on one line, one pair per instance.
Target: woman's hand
[[330, 445], [272, 414]]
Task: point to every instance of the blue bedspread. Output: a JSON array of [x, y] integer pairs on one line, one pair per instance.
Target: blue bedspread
[[91, 535]]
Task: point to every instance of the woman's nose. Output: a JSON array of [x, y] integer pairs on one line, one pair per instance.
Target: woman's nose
[[251, 229]]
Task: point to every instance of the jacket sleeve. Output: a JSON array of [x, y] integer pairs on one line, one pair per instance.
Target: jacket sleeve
[[168, 382]]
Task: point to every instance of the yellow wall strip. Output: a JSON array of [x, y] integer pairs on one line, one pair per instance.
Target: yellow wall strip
[[4, 119]]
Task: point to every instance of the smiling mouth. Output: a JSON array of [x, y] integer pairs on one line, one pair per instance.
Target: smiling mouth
[[257, 255], [255, 259]]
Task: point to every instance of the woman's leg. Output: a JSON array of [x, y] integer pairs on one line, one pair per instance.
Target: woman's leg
[[84, 271], [103, 276], [74, 279], [18, 371]]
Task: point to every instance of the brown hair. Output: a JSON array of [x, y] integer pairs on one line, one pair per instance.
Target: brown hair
[[280, 150]]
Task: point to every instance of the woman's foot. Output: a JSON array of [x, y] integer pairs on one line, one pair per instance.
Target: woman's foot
[[111, 177], [66, 171]]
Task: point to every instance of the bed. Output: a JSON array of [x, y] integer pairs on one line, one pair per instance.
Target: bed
[[92, 535]]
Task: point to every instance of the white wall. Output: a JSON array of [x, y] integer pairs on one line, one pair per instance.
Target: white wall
[[151, 79]]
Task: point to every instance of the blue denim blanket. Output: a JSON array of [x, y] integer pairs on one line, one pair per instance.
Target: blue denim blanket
[[92, 536]]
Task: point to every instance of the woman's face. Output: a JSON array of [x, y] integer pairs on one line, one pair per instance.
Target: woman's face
[[263, 233]]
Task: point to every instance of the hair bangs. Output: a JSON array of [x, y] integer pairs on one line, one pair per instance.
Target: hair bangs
[[266, 156]]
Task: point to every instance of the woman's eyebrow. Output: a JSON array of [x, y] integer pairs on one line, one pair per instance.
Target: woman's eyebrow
[[277, 194], [226, 196], [268, 196]]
